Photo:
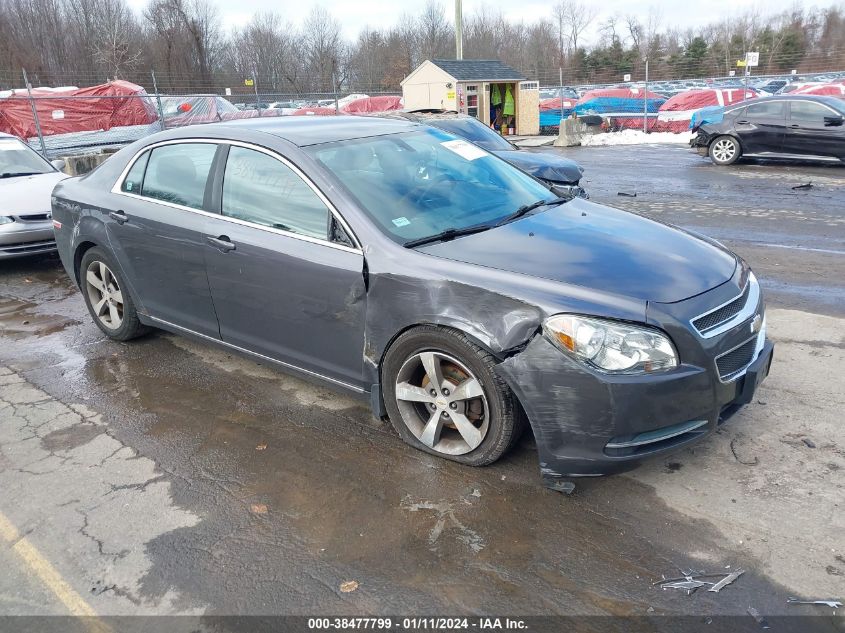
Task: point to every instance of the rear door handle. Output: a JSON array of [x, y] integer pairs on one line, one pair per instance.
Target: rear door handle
[[795, 126], [221, 243], [118, 216]]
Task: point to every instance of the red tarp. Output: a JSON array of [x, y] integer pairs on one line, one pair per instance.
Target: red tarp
[[618, 93], [557, 104], [384, 103], [114, 104], [833, 90], [676, 113], [317, 111]]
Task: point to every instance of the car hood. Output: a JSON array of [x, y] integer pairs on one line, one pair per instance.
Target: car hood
[[28, 194], [596, 247], [545, 166]]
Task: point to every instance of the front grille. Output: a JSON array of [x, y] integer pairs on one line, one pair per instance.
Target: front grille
[[22, 248], [712, 320], [733, 362], [34, 217]]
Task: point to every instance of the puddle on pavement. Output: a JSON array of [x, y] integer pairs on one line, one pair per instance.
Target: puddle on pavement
[[297, 498], [300, 488], [19, 319]]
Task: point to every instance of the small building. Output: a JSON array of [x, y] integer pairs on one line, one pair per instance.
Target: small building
[[487, 89]]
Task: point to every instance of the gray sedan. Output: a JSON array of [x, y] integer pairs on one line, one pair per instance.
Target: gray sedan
[[454, 292], [26, 181]]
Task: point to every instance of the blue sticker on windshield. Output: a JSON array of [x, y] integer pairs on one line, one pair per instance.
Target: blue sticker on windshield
[[403, 221]]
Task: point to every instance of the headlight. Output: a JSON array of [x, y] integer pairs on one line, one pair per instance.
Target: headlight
[[5, 219], [611, 346]]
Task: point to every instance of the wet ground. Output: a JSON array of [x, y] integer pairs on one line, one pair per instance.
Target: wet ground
[[165, 476]]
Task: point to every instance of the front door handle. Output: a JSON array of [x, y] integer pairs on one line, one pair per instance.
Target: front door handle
[[743, 122], [118, 216], [221, 243], [795, 126]]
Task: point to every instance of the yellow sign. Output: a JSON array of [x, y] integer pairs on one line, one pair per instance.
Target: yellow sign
[[740, 63], [250, 82], [450, 94]]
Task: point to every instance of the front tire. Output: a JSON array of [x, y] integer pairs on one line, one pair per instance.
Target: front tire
[[725, 150], [107, 296], [443, 397]]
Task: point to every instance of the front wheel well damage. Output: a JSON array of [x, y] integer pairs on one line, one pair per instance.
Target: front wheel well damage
[[377, 390], [81, 249]]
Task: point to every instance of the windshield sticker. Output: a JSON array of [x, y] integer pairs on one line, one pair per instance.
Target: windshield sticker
[[403, 221], [9, 146], [464, 149]]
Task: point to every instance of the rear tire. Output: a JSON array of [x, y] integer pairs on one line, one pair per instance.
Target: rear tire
[[725, 150], [107, 296], [471, 417]]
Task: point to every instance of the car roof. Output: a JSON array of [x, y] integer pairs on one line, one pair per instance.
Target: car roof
[[314, 130], [836, 104]]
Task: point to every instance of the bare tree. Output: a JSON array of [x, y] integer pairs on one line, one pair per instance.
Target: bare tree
[[324, 48], [577, 16]]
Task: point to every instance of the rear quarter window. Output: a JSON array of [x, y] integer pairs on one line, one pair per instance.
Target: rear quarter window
[[178, 173], [134, 179]]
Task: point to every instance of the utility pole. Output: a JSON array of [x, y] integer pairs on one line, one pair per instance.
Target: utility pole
[[645, 99], [459, 30]]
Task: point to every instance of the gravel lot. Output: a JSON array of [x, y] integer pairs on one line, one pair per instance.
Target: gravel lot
[[169, 477]]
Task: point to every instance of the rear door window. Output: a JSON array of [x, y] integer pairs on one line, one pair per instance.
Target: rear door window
[[261, 189], [179, 173]]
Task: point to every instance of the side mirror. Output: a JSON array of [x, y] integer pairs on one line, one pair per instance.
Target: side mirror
[[833, 121], [59, 164]]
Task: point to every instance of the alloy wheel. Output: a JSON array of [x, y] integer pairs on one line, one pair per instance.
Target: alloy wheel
[[442, 403], [104, 294], [724, 150]]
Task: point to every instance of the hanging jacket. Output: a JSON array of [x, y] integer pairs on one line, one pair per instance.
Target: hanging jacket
[[495, 95], [509, 107]]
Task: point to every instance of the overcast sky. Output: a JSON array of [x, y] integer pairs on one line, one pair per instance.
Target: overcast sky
[[355, 14]]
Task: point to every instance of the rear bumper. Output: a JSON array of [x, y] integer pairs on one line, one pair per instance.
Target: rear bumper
[[588, 424]]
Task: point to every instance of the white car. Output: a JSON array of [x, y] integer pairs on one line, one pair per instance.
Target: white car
[[26, 184]]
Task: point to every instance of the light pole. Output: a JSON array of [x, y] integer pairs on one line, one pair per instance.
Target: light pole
[[459, 31], [645, 99]]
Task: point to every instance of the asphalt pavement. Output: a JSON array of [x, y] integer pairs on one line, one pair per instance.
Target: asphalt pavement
[[166, 477]]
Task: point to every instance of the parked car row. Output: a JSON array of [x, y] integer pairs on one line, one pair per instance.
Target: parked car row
[[769, 85]]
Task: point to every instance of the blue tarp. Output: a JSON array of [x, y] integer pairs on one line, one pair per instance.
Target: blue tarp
[[710, 114], [617, 106], [551, 118]]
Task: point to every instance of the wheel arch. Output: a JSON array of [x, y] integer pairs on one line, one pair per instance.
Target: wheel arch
[[472, 334], [83, 247]]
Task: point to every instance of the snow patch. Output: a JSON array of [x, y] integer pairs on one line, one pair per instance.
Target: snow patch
[[635, 137]]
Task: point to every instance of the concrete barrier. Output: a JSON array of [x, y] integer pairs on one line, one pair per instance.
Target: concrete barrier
[[80, 164]]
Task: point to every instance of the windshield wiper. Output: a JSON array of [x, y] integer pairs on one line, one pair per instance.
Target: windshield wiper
[[10, 174], [448, 234], [528, 208]]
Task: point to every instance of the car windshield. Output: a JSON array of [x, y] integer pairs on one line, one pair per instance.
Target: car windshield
[[423, 183], [17, 159], [475, 131]]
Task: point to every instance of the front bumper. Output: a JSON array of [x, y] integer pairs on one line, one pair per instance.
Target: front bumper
[[701, 143], [26, 238], [588, 424]]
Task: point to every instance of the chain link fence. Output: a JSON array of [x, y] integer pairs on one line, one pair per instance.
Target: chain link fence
[[58, 121]]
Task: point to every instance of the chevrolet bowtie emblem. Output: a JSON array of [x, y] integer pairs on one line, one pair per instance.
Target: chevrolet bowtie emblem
[[756, 324]]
